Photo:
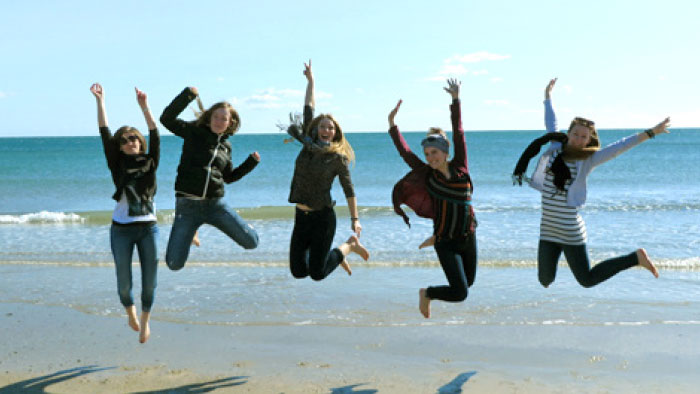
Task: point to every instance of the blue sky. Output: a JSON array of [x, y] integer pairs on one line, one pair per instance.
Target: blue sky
[[621, 63]]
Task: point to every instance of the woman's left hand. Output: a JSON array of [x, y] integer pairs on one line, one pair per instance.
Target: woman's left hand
[[256, 156], [662, 127], [356, 227], [453, 87]]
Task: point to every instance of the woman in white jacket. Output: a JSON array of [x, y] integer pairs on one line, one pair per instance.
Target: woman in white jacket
[[561, 178]]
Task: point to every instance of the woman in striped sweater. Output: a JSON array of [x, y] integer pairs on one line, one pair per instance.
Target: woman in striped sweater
[[441, 190], [561, 178]]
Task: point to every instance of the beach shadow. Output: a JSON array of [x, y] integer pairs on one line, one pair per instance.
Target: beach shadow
[[455, 386], [203, 387], [39, 385], [351, 389]]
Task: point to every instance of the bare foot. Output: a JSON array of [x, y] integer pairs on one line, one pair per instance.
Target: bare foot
[[357, 247], [424, 303], [145, 328], [346, 266], [195, 240], [133, 319], [644, 261]]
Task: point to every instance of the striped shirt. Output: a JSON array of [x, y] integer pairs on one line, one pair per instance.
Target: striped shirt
[[454, 215], [560, 222]]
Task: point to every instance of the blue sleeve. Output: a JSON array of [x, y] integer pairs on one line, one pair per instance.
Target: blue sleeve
[[550, 119]]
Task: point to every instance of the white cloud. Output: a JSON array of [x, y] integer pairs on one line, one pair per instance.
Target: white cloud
[[455, 65], [496, 79], [3, 95], [271, 98], [495, 102]]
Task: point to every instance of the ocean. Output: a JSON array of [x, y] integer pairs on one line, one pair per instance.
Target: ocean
[[55, 212]]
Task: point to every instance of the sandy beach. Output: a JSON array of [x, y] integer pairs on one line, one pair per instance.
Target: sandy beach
[[58, 350]]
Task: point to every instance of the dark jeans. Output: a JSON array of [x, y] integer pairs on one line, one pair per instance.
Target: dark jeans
[[122, 240], [190, 214], [576, 255], [310, 251], [458, 260]]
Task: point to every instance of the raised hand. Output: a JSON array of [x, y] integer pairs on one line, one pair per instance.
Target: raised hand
[[393, 113], [97, 91], [256, 156], [453, 87], [194, 90], [141, 97], [307, 71], [662, 127], [548, 89]]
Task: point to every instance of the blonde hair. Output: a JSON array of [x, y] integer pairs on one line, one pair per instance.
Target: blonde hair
[[205, 118], [128, 129], [339, 144], [437, 130]]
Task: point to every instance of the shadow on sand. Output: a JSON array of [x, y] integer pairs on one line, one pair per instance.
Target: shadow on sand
[[455, 386], [204, 387], [351, 389], [39, 384]]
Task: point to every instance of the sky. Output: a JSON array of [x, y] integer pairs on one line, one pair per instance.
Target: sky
[[622, 63]]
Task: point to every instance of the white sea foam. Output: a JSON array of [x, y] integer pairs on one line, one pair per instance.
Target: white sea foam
[[42, 217]]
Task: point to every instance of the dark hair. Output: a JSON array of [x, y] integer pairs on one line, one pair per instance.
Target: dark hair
[[205, 118], [128, 129]]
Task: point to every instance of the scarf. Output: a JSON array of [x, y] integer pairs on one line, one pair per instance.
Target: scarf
[[559, 168]]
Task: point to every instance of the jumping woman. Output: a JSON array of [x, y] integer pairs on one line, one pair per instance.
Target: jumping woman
[[205, 166], [560, 176], [134, 217], [325, 154], [441, 190]]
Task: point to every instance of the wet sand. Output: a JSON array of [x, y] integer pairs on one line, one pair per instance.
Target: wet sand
[[59, 350]]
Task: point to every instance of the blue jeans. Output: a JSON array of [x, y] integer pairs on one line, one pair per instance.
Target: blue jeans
[[576, 255], [190, 214], [123, 239]]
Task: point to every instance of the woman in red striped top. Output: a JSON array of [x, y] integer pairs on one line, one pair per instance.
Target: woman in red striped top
[[447, 187]]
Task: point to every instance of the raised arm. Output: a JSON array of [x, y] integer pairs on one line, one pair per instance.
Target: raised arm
[[460, 157], [400, 143], [550, 118], [110, 148], [170, 119], [309, 98], [617, 148], [153, 135], [231, 174]]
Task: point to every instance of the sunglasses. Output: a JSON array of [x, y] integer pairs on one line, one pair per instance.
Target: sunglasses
[[131, 138], [583, 122]]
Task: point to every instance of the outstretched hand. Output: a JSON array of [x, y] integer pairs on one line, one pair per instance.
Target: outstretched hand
[[356, 227], [194, 90], [548, 89], [453, 87], [97, 91], [393, 113], [307, 71], [141, 97], [662, 128], [256, 156]]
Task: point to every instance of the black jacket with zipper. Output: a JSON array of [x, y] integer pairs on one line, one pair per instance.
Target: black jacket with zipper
[[205, 163]]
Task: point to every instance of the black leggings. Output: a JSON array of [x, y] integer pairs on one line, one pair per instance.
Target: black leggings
[[310, 251], [548, 257], [458, 260]]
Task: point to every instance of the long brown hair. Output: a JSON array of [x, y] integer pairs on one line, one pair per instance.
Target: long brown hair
[[128, 129], [205, 118], [593, 144], [339, 144]]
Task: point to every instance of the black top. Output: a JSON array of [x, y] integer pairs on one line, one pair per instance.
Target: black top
[[205, 163], [133, 175], [315, 169]]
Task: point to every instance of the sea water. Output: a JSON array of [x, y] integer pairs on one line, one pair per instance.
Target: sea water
[[55, 213]]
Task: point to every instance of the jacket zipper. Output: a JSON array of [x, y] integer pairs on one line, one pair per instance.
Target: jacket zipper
[[213, 157]]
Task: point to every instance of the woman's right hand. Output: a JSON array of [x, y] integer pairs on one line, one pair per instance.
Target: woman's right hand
[[141, 97], [194, 90], [307, 71], [393, 113], [97, 91], [548, 89]]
